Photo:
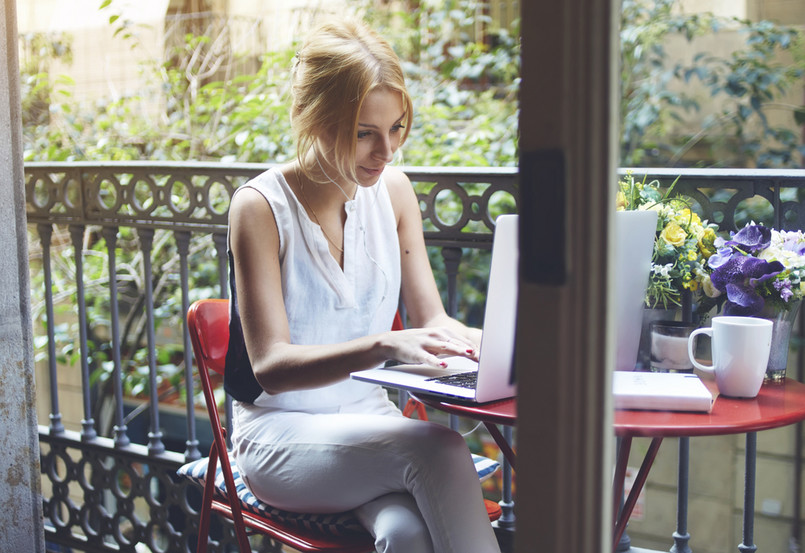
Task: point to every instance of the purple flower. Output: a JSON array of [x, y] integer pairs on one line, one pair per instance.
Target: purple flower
[[739, 268], [784, 287], [720, 257], [794, 245], [739, 277], [742, 300], [751, 238]]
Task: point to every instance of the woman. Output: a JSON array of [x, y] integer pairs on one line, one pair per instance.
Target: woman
[[320, 251]]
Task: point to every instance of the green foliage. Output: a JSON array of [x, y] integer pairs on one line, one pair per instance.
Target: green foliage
[[659, 96], [465, 90], [186, 110], [203, 102]]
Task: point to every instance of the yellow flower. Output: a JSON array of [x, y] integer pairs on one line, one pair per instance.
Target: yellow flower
[[620, 201], [706, 243], [691, 285], [686, 216], [673, 234]]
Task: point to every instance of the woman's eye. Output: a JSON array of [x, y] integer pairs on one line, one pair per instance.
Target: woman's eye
[[363, 134]]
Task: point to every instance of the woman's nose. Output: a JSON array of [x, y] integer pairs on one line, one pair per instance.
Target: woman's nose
[[385, 149]]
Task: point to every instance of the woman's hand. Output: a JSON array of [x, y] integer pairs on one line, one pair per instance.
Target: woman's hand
[[428, 346]]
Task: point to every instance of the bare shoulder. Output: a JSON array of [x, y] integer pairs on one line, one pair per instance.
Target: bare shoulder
[[248, 202], [251, 216], [395, 178], [401, 192]]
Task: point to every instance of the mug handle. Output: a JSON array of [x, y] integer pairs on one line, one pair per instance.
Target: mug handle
[[691, 342]]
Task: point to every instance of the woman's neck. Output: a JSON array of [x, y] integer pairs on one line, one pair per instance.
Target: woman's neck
[[326, 179]]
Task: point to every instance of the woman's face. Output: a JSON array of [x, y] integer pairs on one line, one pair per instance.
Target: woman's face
[[379, 131]]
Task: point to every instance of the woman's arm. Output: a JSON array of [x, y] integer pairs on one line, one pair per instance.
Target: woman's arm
[[278, 364], [419, 292]]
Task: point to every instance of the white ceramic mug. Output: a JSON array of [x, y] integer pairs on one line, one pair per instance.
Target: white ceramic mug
[[740, 347]]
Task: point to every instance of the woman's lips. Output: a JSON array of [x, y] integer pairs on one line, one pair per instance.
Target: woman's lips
[[373, 172]]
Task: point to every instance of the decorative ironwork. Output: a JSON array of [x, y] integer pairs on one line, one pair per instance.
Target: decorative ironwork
[[107, 498], [106, 494]]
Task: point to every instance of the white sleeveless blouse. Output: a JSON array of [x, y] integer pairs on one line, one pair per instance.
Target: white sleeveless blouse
[[324, 303]]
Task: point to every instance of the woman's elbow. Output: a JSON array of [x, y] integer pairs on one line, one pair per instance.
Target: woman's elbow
[[271, 375], [271, 382]]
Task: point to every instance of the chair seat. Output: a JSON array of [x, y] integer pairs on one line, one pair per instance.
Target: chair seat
[[328, 524], [331, 524]]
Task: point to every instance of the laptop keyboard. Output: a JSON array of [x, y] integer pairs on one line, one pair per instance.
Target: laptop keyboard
[[462, 380]]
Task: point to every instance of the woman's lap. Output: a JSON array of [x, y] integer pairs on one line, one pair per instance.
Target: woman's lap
[[330, 463]]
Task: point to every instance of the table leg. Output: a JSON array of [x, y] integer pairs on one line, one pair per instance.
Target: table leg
[[622, 448], [622, 460], [502, 443], [640, 480], [681, 536], [749, 495]]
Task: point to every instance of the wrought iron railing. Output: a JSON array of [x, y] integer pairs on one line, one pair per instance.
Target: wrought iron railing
[[102, 491], [96, 231]]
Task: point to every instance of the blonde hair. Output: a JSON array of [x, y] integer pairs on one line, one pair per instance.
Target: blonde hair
[[337, 67]]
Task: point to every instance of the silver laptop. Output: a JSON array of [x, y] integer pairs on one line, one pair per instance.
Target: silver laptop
[[634, 244], [490, 378]]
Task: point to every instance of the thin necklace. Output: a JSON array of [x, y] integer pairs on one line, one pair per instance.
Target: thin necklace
[[316, 217]]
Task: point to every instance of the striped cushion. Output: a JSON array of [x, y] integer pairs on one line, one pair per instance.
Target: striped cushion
[[334, 524], [485, 466]]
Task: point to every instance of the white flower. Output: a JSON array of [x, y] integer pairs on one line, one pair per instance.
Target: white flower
[[785, 247], [663, 271], [709, 289]]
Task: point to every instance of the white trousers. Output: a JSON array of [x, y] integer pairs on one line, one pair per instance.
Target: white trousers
[[411, 483]]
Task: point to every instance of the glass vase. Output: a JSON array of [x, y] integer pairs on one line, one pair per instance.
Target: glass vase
[[783, 320]]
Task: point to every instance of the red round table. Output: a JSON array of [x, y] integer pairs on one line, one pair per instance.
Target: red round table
[[775, 406]]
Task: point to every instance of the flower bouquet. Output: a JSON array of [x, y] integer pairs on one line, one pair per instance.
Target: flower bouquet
[[682, 246], [761, 272], [759, 266]]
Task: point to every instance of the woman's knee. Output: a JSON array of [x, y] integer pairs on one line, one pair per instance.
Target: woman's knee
[[397, 524], [431, 439]]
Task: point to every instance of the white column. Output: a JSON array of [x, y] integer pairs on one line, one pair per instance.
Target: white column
[[565, 355], [21, 517]]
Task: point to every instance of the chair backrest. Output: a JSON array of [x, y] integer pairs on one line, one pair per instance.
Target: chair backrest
[[208, 323]]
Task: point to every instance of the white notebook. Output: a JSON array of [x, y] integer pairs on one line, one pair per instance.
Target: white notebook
[[660, 391]]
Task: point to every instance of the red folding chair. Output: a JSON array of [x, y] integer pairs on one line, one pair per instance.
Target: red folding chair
[[208, 324]]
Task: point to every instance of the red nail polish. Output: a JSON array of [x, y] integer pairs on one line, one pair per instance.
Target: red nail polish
[[443, 364]]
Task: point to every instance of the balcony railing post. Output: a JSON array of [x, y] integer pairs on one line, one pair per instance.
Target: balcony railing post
[[219, 239], [121, 437], [45, 232], [183, 246], [87, 424], [155, 445], [681, 535], [506, 502], [748, 545], [452, 259]]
